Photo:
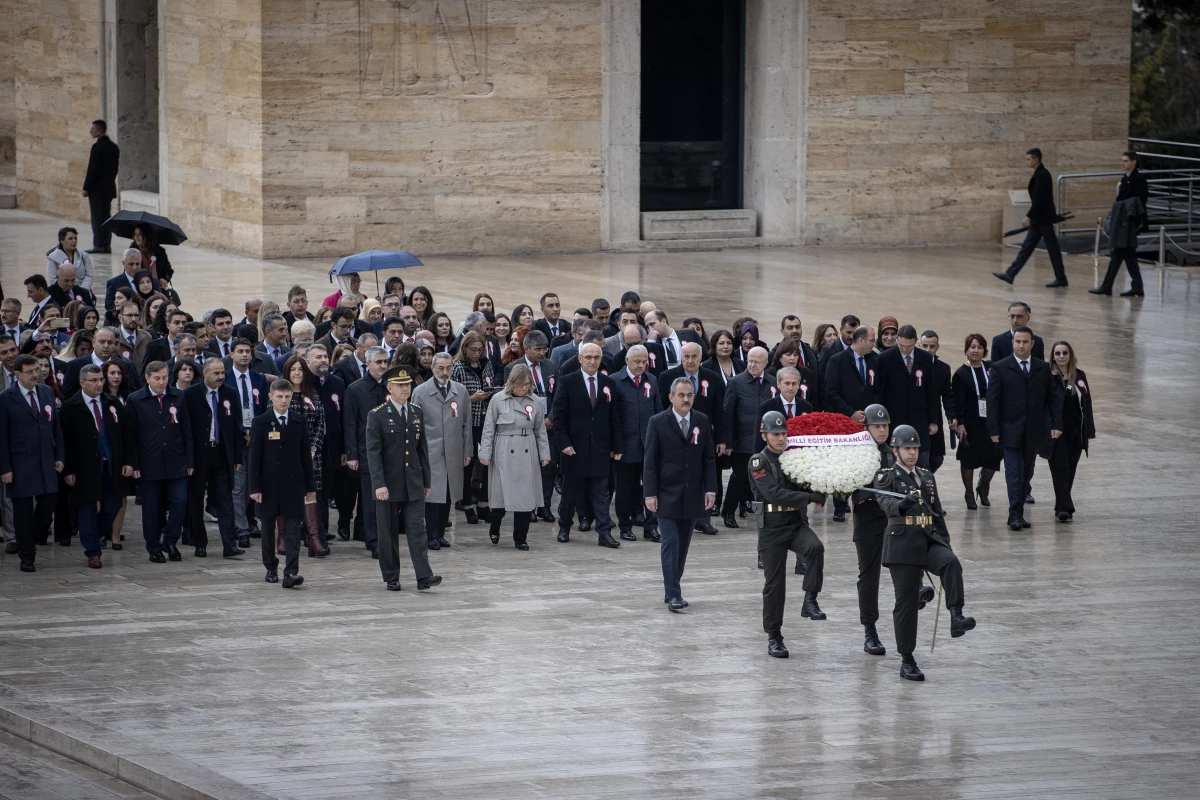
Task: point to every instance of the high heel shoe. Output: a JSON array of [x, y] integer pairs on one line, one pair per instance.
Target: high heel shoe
[[971, 501], [983, 496]]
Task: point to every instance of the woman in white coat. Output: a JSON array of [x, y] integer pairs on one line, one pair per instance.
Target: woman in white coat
[[514, 448], [68, 250]]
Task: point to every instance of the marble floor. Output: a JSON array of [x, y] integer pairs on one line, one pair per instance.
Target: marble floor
[[559, 673]]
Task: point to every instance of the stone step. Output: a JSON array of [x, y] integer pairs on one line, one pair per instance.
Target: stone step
[[30, 772]]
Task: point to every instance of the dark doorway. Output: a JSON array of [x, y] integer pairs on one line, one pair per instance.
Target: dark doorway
[[692, 104]]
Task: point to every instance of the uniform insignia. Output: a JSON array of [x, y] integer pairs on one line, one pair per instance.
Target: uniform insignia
[[761, 473], [756, 462]]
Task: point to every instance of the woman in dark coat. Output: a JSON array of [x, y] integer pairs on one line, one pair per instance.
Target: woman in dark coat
[[476, 372], [306, 405], [976, 450], [1079, 425]]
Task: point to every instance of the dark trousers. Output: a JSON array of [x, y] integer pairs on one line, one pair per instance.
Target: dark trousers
[[437, 517], [30, 516], [774, 558], [906, 580], [575, 492], [520, 524], [676, 539], [391, 517], [95, 519], [472, 496], [64, 515], [167, 496], [1063, 463], [841, 506], [1129, 256], [1037, 231], [628, 480], [1018, 473], [870, 551], [936, 459], [101, 209], [213, 478], [293, 532], [739, 484], [369, 507], [347, 490]]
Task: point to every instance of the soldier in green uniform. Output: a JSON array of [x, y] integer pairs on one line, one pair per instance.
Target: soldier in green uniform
[[781, 511], [916, 540], [870, 521], [400, 476]]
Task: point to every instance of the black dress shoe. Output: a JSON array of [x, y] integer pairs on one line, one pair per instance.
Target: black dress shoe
[[910, 671], [1101, 290], [1004, 276], [627, 536], [243, 541], [810, 608], [1026, 524], [393, 586], [704, 527], [432, 544], [1015, 525], [653, 535], [839, 516], [428, 583], [27, 565], [234, 553], [1056, 285], [10, 548], [442, 541], [775, 648], [272, 577], [201, 552], [255, 533], [173, 553], [1133, 293], [292, 581], [585, 525], [676, 605], [1064, 516], [728, 521], [925, 596], [344, 535], [959, 624], [522, 546], [564, 536], [374, 553], [100, 250], [158, 558], [604, 540], [871, 644], [801, 566], [472, 516], [117, 546], [1029, 500], [546, 516]]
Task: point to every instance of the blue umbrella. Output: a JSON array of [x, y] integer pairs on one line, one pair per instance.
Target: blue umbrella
[[373, 261]]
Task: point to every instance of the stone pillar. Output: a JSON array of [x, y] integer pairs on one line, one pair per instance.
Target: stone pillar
[[131, 90], [620, 210]]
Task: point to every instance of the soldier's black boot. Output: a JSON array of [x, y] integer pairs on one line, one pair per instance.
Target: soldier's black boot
[[872, 645], [926, 596], [810, 608], [909, 669], [775, 648], [959, 624]]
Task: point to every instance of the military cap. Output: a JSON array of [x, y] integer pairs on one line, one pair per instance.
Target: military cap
[[398, 375], [905, 436], [876, 414], [773, 422]]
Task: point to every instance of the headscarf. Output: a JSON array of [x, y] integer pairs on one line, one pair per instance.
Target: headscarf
[[82, 313], [369, 305], [343, 282], [747, 327], [137, 280]]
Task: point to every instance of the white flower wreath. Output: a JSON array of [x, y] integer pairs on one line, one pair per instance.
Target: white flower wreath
[[831, 470]]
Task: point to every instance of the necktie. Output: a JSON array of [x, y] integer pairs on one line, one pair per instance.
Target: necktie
[[683, 427], [908, 363], [245, 393], [133, 341], [862, 369], [33, 402], [216, 428], [637, 381], [12, 332], [670, 348], [403, 415], [789, 411], [537, 379], [442, 389], [97, 415], [225, 345], [591, 391], [159, 396], [695, 388], [282, 421], [1025, 367], [363, 367]]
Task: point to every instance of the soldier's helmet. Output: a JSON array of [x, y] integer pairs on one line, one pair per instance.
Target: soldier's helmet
[[773, 422], [905, 436], [876, 414]]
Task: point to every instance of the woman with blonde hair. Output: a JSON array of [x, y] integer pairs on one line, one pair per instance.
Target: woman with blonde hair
[[514, 448]]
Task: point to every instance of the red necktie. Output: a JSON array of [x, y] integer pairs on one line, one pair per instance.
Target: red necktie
[[592, 390], [537, 379], [96, 414], [159, 401], [908, 363], [789, 411], [637, 381]]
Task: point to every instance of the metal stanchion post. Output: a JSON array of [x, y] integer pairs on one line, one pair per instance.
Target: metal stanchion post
[[1162, 245]]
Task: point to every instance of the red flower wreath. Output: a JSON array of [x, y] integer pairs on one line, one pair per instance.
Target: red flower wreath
[[822, 423]]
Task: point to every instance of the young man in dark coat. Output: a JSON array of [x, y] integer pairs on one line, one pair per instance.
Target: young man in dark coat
[[1039, 222], [214, 410], [907, 387], [100, 184]]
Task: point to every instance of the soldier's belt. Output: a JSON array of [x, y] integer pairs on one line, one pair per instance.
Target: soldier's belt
[[777, 509], [922, 520]]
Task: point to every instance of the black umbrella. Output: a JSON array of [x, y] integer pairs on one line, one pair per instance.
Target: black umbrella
[[122, 224]]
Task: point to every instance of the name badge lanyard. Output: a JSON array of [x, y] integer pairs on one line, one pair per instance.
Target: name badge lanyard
[[981, 399]]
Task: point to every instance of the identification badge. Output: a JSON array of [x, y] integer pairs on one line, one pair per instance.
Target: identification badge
[[273, 435], [247, 417], [983, 408]]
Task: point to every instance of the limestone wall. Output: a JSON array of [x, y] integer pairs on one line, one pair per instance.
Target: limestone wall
[[919, 110], [474, 131], [8, 88]]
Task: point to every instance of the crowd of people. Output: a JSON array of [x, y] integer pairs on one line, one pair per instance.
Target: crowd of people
[[138, 397]]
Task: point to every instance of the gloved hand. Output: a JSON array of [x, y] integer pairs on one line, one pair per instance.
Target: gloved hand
[[909, 504], [816, 498]]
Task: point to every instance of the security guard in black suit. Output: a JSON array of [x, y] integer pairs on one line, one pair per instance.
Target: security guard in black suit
[[398, 456], [916, 540], [781, 513]]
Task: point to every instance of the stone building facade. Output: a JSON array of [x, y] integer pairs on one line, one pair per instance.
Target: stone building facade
[[322, 127]]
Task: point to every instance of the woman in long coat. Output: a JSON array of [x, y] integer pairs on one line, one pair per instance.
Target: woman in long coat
[[514, 448]]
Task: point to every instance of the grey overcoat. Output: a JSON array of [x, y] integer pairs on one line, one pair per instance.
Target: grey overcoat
[[514, 440], [448, 434]]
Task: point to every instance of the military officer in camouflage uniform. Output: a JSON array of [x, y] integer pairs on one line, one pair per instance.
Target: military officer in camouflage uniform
[[400, 476], [781, 512], [916, 540]]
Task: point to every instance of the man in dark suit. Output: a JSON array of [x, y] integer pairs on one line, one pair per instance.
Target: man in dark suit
[[221, 344], [942, 375], [1022, 404], [571, 364], [274, 343], [680, 480], [545, 380], [790, 327], [253, 396], [64, 290], [1040, 222], [98, 464], [106, 347], [10, 320], [332, 392], [281, 481], [163, 459], [354, 368], [632, 335], [907, 388], [560, 351], [362, 396], [743, 396], [849, 324], [551, 324], [39, 297], [850, 386], [297, 306], [637, 401], [32, 452], [341, 330], [163, 348], [1019, 314], [100, 184], [588, 435], [787, 401], [1133, 185], [215, 413], [131, 262], [672, 339]]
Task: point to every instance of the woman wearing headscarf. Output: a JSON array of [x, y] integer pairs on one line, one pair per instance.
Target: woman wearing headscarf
[[349, 284]]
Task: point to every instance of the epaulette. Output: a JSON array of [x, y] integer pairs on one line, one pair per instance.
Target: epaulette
[[381, 405]]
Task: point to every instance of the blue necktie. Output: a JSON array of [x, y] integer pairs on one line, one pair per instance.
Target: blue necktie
[[862, 369]]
